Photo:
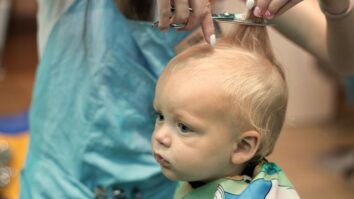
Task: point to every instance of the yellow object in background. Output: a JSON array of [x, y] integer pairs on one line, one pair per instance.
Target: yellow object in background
[[14, 138], [17, 146]]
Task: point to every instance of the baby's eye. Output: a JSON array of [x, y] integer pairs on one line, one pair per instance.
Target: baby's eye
[[159, 117], [184, 128]]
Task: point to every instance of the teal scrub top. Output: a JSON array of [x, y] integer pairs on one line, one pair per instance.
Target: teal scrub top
[[91, 118]]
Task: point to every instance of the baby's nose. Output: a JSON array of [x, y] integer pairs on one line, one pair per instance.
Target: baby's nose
[[163, 137]]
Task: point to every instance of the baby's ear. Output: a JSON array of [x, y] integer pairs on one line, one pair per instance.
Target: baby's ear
[[246, 147]]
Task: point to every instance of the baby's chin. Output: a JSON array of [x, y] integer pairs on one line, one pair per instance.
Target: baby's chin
[[178, 177], [169, 174]]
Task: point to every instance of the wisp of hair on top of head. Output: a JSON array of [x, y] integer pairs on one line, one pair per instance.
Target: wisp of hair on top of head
[[263, 96]]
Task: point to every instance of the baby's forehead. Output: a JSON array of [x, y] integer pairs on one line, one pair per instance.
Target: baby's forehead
[[202, 89], [213, 67], [220, 56]]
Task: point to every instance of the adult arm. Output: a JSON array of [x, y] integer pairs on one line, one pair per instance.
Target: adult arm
[[331, 40]]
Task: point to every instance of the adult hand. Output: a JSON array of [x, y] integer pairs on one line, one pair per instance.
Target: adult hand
[[270, 8], [199, 15]]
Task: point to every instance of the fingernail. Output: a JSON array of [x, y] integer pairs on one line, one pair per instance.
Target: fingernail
[[268, 15], [249, 4], [257, 12], [212, 40]]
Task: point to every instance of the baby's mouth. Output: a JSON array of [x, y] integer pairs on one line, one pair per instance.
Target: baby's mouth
[[164, 163]]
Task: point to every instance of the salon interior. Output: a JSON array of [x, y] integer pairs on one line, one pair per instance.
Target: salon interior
[[316, 147]]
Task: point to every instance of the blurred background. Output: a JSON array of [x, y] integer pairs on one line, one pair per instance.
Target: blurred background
[[316, 148]]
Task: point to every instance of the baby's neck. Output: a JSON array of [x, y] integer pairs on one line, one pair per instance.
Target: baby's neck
[[197, 184], [247, 170]]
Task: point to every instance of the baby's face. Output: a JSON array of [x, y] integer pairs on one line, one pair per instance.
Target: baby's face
[[193, 138]]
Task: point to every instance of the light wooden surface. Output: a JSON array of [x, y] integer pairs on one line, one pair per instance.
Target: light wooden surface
[[302, 153]]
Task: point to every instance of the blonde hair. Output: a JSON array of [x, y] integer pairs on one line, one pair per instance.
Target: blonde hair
[[252, 79]]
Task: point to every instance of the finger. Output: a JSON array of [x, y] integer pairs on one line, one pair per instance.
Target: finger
[[274, 7], [193, 21], [287, 6], [261, 7], [200, 10], [208, 29], [250, 4], [182, 12], [164, 8], [203, 17]]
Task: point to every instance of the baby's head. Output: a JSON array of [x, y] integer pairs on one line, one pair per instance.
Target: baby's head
[[217, 109]]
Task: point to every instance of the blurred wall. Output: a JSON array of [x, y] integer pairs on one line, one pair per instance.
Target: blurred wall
[[4, 15], [312, 94], [24, 8]]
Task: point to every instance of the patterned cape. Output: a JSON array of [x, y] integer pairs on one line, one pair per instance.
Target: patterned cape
[[269, 182]]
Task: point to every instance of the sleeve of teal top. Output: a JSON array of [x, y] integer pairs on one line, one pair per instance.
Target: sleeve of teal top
[[48, 14]]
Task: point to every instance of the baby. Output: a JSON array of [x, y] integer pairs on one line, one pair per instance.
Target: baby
[[219, 113]]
